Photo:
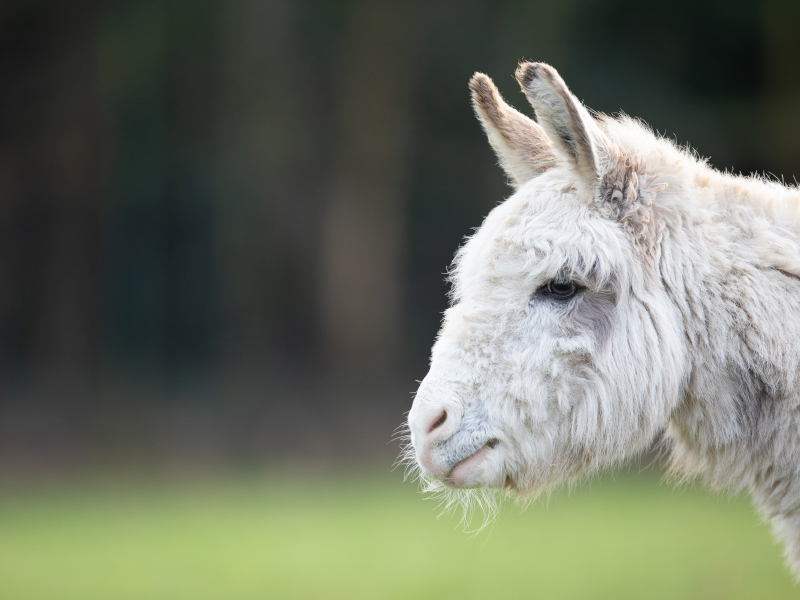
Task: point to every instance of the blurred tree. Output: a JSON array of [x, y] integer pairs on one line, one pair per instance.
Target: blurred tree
[[192, 103], [158, 68], [133, 65], [362, 244], [273, 129], [50, 186]]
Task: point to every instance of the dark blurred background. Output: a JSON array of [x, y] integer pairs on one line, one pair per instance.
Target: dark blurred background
[[225, 224]]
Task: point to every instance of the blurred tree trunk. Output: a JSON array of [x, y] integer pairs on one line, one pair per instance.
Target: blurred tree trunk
[[67, 330], [50, 149], [781, 133], [362, 292], [272, 124], [133, 63], [159, 79], [191, 84]]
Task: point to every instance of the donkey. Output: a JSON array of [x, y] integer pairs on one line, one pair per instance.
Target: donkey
[[625, 292]]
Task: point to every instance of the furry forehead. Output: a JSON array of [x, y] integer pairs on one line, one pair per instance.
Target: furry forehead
[[547, 229]]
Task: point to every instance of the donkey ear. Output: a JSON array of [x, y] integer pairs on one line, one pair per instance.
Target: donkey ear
[[520, 144], [569, 125]]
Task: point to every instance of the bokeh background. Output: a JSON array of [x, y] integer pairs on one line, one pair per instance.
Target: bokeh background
[[224, 228]]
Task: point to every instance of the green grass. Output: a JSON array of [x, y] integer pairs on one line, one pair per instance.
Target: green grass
[[361, 536]]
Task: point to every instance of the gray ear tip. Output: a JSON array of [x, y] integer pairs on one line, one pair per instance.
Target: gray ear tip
[[481, 84], [484, 93], [528, 72], [478, 76]]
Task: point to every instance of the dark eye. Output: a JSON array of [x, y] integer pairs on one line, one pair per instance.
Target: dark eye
[[560, 290]]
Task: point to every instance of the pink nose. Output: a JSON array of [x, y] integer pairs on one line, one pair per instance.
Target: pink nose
[[430, 427]]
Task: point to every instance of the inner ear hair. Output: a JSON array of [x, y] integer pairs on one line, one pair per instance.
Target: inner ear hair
[[627, 193], [522, 146]]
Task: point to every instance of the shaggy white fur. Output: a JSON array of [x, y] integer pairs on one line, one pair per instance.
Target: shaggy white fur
[[625, 290]]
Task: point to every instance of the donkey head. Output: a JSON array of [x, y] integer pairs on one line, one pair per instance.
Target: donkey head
[[560, 352]]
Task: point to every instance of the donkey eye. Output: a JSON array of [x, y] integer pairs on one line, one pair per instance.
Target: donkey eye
[[560, 290]]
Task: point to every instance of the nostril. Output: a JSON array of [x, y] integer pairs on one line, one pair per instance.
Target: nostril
[[438, 422]]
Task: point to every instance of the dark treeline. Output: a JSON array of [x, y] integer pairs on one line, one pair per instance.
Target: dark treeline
[[269, 191]]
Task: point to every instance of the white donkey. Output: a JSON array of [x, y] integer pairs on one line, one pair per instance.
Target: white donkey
[[625, 289]]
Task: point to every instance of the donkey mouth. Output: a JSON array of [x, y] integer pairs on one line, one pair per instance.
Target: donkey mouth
[[460, 474]]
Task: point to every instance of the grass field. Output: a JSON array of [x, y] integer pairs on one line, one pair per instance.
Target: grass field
[[372, 536]]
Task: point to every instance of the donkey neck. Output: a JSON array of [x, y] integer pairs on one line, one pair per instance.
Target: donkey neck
[[737, 288]]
